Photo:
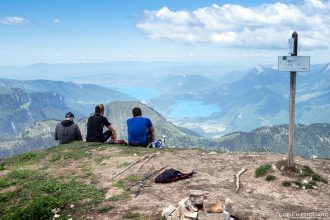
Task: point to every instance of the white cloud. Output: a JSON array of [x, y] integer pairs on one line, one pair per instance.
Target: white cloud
[[13, 20], [230, 25], [56, 21]]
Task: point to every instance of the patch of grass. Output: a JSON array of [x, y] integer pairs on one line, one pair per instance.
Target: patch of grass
[[270, 178], [29, 157], [132, 215], [298, 183], [133, 178], [286, 183], [308, 186], [55, 157], [260, 171], [119, 184], [75, 155], [307, 171], [37, 194], [118, 197], [4, 183], [2, 166], [105, 208]]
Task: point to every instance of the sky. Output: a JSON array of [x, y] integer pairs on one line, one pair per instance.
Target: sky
[[237, 33]]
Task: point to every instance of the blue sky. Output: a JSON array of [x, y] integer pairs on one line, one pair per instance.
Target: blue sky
[[244, 32]]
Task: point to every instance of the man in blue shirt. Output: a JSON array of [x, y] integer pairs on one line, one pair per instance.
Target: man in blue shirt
[[141, 132]]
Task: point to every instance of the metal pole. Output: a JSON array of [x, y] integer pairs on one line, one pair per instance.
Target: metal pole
[[292, 103]]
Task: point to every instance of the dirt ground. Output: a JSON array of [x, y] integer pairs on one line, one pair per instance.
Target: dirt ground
[[256, 199]]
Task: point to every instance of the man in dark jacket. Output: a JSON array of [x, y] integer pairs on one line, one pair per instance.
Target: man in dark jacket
[[95, 126], [67, 130]]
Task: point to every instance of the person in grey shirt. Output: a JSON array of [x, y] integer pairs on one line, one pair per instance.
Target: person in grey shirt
[[67, 131]]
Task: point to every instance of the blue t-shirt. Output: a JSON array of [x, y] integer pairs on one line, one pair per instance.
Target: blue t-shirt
[[137, 130]]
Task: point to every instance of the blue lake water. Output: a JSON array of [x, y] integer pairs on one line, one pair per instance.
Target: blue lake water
[[191, 109], [183, 109], [140, 93]]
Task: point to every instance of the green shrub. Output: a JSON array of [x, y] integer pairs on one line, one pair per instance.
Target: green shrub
[[260, 171], [270, 178], [307, 171], [298, 183], [308, 186], [2, 166], [286, 183]]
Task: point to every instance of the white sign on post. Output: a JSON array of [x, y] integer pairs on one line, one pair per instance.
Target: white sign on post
[[294, 63]]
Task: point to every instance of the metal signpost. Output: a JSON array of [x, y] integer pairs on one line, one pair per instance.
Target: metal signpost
[[293, 64]]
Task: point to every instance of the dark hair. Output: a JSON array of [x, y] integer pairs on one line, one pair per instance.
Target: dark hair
[[99, 108], [69, 115], [136, 112]]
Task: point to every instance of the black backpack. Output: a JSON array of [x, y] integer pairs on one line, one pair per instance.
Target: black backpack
[[172, 175]]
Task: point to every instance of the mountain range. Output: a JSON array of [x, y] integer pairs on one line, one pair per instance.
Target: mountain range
[[255, 98], [311, 141], [40, 135]]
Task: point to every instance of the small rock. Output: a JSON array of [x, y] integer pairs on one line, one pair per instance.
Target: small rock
[[56, 216], [183, 205], [305, 181], [274, 167], [72, 206], [314, 187], [213, 152], [228, 205], [197, 192], [190, 215], [197, 200], [249, 191], [282, 168], [134, 154], [213, 207], [176, 214], [191, 207], [227, 215], [56, 210], [211, 216], [168, 210]]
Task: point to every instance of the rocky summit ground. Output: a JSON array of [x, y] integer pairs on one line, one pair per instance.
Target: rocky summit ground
[[82, 174]]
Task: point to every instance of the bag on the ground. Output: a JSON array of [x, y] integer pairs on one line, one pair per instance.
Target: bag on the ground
[[172, 175]]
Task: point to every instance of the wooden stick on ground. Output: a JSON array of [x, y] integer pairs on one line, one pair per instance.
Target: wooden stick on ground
[[129, 166], [151, 155], [237, 177]]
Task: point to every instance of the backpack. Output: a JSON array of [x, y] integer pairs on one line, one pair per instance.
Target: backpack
[[172, 175]]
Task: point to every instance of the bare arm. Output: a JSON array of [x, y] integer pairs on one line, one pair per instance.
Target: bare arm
[[152, 131], [113, 131]]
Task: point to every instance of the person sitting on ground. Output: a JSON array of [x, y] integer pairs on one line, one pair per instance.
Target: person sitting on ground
[[141, 132], [67, 131], [95, 126]]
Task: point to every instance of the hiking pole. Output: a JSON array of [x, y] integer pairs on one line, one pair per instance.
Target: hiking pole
[[147, 176]]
